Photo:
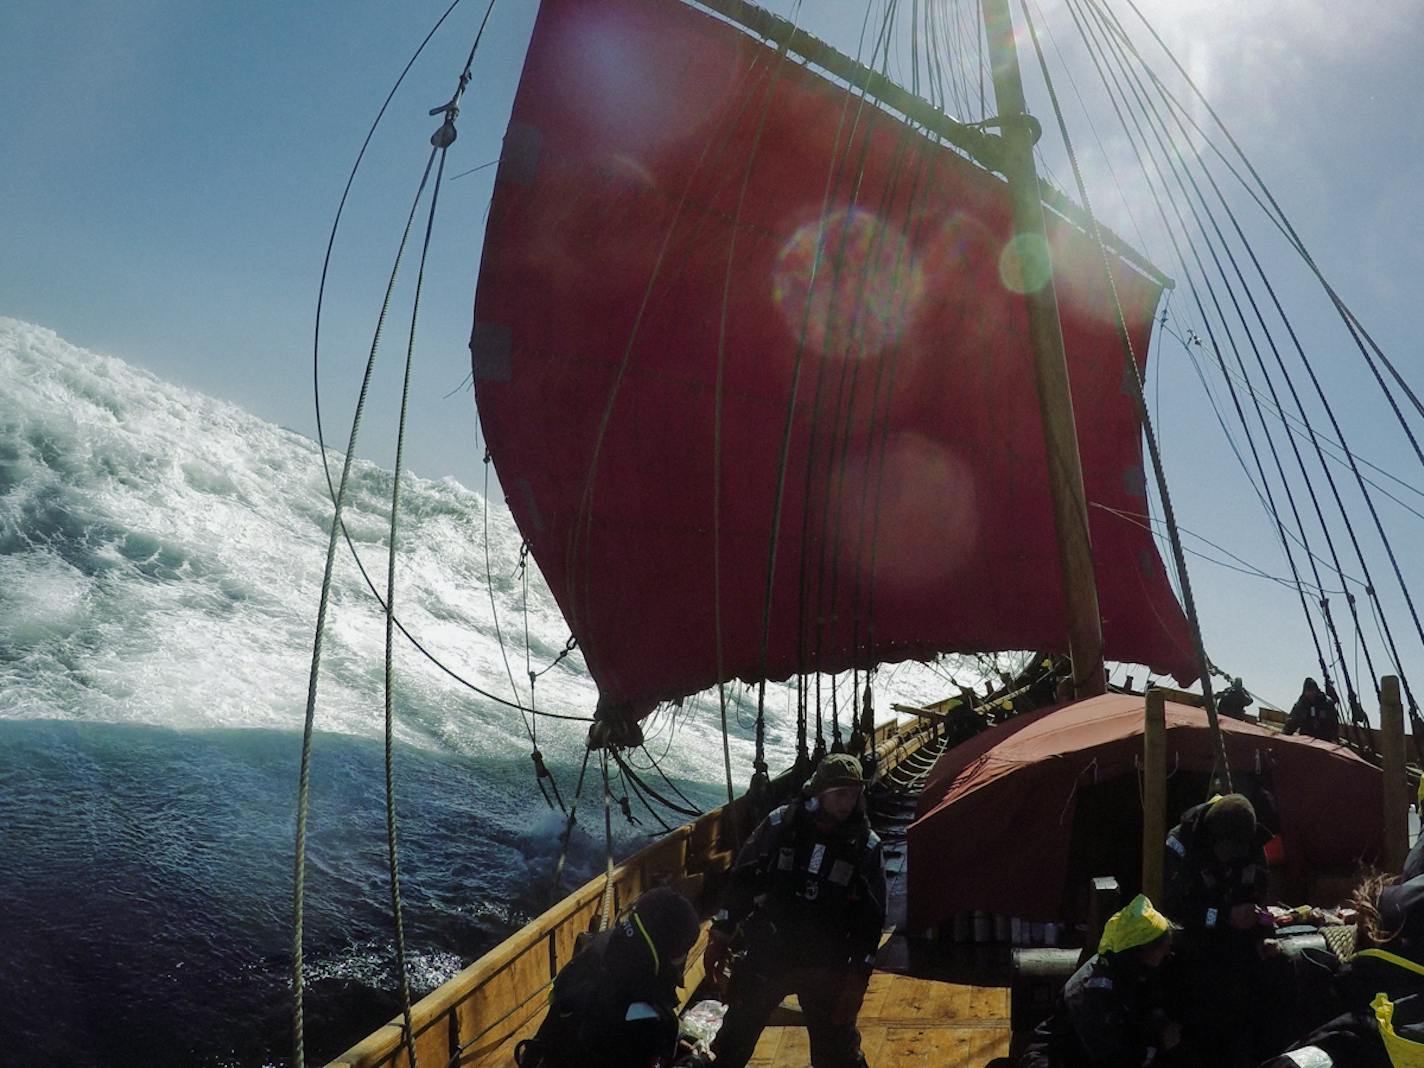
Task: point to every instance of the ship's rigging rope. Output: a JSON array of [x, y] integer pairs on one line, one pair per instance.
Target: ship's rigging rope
[[1140, 145], [303, 786], [568, 832], [316, 373], [759, 762], [836, 166], [607, 909], [1178, 111], [440, 143], [1292, 425], [338, 497], [1361, 338], [1144, 521], [1181, 172], [1278, 215], [1159, 208], [1206, 222]]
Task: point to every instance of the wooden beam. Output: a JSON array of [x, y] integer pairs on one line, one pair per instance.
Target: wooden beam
[[1154, 794], [1179, 697], [1396, 783]]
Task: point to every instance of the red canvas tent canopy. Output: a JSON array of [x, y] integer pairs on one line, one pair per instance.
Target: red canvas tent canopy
[[995, 822]]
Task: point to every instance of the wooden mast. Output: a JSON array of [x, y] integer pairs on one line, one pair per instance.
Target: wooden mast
[[1055, 403]]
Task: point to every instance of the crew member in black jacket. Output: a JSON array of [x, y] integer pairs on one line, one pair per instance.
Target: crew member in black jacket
[[803, 915], [1234, 700], [1112, 1014], [1315, 714], [614, 1005], [1215, 876]]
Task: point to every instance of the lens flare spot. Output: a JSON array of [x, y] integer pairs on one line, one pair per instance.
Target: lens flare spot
[[923, 514], [647, 102], [849, 284], [623, 166], [1025, 265]]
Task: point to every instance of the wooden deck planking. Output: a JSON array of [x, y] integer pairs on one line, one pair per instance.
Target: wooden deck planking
[[907, 1021]]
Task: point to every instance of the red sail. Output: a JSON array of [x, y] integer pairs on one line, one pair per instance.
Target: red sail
[[679, 206]]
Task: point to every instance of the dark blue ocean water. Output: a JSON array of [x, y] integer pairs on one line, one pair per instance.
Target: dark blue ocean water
[[145, 897]]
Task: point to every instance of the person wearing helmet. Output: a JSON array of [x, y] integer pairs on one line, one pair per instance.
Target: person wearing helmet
[[1382, 986], [805, 909], [1233, 701], [1215, 874], [1112, 1011], [614, 1005]]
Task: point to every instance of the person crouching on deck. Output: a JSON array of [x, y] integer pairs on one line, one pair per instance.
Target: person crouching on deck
[[1315, 714], [1112, 1011], [805, 908], [614, 1005]]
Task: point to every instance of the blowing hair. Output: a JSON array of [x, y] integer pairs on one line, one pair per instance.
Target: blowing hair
[[1369, 925]]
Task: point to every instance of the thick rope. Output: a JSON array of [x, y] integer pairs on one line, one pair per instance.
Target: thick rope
[[1330, 626], [568, 830], [607, 909], [633, 777], [718, 393], [397, 913], [316, 374], [304, 779], [1222, 770], [834, 173], [494, 608], [1357, 331], [1180, 169], [1369, 584]]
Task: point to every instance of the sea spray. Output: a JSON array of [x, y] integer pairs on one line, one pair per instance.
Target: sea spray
[[160, 556]]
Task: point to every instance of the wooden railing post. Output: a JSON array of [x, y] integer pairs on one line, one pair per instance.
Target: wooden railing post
[[1104, 898], [1154, 794], [1396, 783]]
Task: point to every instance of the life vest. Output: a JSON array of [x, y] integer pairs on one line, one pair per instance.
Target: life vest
[[812, 879], [1404, 1052]]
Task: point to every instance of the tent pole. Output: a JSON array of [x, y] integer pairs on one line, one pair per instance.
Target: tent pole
[[1154, 794], [1396, 782]]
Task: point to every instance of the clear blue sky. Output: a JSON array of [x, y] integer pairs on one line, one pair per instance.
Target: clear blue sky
[[172, 169]]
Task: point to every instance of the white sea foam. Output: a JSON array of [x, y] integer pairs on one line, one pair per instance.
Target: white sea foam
[[161, 556]]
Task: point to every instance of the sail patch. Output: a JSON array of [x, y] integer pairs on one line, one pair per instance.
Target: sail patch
[[491, 352], [1134, 480], [519, 159]]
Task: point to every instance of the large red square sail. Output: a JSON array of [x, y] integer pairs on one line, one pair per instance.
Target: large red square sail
[[753, 367]]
